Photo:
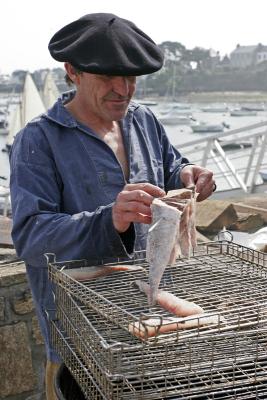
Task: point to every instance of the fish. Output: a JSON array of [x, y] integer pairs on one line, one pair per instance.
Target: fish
[[161, 246], [185, 201], [171, 303], [155, 326], [88, 273]]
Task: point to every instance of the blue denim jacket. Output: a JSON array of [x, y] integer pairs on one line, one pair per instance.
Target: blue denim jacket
[[64, 181]]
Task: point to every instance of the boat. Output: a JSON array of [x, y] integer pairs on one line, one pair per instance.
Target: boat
[[239, 112], [181, 106], [201, 127], [227, 144], [3, 122], [215, 109], [30, 106], [253, 107], [147, 102], [50, 91], [263, 174], [5, 204], [175, 117]]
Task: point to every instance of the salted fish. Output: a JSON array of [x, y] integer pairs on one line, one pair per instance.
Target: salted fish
[[88, 273], [150, 327], [185, 201], [170, 302], [162, 243]]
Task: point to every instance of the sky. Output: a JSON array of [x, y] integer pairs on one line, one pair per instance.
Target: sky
[[27, 25]]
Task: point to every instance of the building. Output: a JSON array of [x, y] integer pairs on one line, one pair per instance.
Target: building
[[261, 54], [247, 56]]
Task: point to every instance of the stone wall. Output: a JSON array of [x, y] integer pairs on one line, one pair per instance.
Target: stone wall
[[22, 353]]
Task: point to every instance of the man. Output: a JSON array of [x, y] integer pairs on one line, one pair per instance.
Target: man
[[83, 176]]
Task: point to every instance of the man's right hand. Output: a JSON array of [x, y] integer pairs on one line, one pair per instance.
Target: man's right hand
[[133, 205]]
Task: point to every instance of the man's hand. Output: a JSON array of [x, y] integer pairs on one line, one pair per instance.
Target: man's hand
[[133, 205], [201, 178]]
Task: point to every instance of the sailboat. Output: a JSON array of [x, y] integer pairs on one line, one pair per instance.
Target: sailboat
[[30, 106], [50, 91]]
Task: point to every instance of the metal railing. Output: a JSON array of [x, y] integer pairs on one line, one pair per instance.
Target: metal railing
[[236, 157]]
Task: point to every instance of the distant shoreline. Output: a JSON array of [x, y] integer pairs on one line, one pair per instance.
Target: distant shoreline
[[218, 97], [244, 97], [207, 97]]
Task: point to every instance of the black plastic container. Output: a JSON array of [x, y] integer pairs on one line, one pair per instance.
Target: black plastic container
[[66, 387]]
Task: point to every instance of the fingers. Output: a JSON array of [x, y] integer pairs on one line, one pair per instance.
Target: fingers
[[187, 176], [133, 205], [201, 177], [146, 187], [205, 184]]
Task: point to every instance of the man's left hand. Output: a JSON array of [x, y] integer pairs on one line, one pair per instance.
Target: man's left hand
[[201, 178]]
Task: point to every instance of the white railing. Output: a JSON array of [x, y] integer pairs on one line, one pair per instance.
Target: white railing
[[236, 157]]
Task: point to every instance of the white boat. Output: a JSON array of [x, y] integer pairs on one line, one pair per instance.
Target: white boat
[[175, 117], [3, 122], [50, 91], [30, 106], [201, 127], [227, 144], [5, 204], [253, 107], [239, 112], [215, 109], [263, 175], [181, 106], [147, 102]]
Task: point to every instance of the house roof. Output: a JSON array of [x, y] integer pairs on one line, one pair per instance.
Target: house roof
[[244, 49]]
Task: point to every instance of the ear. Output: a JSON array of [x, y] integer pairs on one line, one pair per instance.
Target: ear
[[72, 73]]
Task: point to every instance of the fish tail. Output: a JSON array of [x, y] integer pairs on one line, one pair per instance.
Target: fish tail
[[152, 296]]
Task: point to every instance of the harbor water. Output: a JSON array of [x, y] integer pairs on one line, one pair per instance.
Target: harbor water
[[177, 134]]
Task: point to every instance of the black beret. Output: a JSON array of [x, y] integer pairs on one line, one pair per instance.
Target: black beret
[[105, 44]]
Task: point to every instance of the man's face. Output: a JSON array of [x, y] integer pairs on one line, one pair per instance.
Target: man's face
[[106, 96]]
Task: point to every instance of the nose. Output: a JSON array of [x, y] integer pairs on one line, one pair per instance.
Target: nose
[[121, 85]]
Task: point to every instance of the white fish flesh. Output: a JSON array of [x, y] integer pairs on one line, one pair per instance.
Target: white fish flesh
[[170, 302], [155, 326], [161, 243], [88, 273]]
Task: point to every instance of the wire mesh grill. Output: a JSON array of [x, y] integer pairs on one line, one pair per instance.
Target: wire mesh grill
[[91, 332], [244, 380], [118, 353], [222, 280]]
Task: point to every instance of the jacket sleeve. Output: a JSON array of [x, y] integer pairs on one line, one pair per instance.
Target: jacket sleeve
[[39, 225]]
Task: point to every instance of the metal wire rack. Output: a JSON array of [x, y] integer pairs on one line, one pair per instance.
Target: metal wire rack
[[225, 279], [121, 355], [227, 361], [243, 380]]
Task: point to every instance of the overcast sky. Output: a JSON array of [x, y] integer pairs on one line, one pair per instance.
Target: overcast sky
[[27, 25]]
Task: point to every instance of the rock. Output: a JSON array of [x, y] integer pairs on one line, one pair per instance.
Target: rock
[[247, 223], [36, 332], [7, 255], [5, 231], [17, 374], [12, 273], [244, 208], [2, 308], [23, 303], [213, 215], [201, 238]]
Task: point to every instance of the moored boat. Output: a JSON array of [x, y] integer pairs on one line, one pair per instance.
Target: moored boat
[[215, 109], [239, 112], [201, 127], [253, 107], [263, 175], [172, 119]]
